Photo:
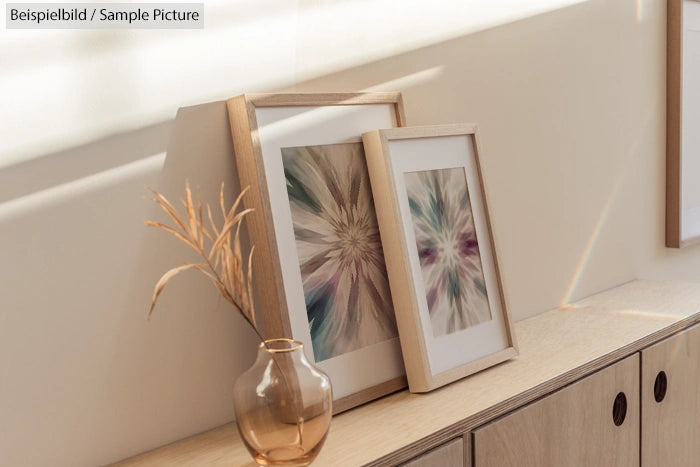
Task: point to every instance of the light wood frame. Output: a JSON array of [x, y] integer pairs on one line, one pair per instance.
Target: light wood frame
[[277, 301], [421, 349], [675, 91]]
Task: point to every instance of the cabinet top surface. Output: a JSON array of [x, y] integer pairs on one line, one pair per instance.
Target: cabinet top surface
[[556, 348]]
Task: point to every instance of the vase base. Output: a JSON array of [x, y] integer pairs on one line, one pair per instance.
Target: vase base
[[290, 456]]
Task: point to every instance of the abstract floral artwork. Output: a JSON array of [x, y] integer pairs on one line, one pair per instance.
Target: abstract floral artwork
[[344, 278], [447, 249]]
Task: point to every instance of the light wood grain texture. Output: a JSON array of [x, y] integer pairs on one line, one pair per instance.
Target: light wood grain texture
[[449, 454], [398, 270], [396, 252], [556, 348], [219, 447], [674, 78], [270, 291], [375, 392], [271, 296], [670, 429], [338, 98], [572, 427]]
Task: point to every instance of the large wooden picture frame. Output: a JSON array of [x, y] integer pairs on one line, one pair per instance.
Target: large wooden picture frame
[[318, 262], [683, 120], [440, 254]]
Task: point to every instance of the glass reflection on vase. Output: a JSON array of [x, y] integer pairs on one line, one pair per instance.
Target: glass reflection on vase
[[283, 405]]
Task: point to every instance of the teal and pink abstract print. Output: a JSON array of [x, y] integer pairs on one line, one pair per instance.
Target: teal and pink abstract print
[[447, 249], [345, 282]]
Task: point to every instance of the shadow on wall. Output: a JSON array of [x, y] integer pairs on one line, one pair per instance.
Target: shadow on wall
[[65, 167], [565, 124], [202, 342], [74, 304]]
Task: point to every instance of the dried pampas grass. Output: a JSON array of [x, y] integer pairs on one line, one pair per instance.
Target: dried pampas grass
[[220, 250]]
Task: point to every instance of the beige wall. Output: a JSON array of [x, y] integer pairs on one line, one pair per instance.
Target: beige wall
[[569, 96]]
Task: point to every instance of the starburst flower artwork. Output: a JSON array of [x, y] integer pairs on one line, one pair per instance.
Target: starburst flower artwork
[[447, 249], [344, 278]]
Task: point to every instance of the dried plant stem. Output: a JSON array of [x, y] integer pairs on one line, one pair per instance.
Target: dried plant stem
[[219, 249], [214, 276], [222, 264]]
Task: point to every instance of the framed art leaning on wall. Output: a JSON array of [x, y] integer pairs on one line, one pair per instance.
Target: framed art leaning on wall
[[440, 254], [682, 121], [318, 263]]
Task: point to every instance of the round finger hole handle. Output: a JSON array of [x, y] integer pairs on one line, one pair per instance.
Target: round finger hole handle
[[660, 385], [619, 411]]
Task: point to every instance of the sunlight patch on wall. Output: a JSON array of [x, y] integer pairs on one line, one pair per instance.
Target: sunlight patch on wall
[[81, 187], [61, 88], [407, 81], [589, 250], [642, 10], [334, 35]]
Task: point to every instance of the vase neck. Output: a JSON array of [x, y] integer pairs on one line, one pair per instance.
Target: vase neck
[[282, 349], [281, 345]]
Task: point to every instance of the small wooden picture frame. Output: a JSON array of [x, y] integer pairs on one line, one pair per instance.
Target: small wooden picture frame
[[318, 262], [439, 250]]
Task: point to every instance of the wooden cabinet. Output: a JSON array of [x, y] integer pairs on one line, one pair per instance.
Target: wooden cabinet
[[594, 421], [574, 426], [449, 454], [553, 405], [670, 393]]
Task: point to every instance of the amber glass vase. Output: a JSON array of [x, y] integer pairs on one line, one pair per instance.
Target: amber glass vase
[[283, 405]]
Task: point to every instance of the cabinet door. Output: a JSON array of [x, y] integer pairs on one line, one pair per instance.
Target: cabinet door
[[671, 401], [592, 422], [450, 454]]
